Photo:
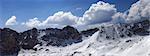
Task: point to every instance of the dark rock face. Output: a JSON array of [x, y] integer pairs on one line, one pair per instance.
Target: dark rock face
[[71, 33], [89, 32], [11, 41], [28, 39], [8, 42], [61, 37], [141, 28]]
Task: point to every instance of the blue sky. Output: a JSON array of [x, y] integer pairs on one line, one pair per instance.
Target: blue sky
[[28, 9]]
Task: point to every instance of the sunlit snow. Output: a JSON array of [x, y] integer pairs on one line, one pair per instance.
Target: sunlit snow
[[93, 46]]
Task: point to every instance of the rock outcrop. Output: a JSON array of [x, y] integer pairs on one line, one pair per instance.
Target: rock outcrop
[[140, 28], [61, 37], [116, 31], [28, 39], [8, 42]]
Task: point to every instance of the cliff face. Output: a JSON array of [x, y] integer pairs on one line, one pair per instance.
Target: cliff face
[[61, 37]]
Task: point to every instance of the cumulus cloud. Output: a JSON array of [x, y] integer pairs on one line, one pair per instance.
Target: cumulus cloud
[[57, 20], [139, 10], [11, 21], [119, 18], [98, 13], [32, 23], [13, 24], [61, 18]]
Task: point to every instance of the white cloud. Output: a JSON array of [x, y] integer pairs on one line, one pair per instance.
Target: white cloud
[[32, 23], [139, 10], [98, 13], [13, 24], [61, 18], [134, 12], [11, 21], [119, 18]]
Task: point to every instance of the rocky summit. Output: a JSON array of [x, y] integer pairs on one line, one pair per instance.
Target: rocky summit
[[28, 39]]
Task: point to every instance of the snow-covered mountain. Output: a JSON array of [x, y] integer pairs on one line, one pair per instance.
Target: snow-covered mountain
[[135, 46], [111, 40], [104, 40]]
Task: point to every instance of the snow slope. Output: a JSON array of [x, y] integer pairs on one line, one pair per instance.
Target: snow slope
[[93, 46], [142, 48]]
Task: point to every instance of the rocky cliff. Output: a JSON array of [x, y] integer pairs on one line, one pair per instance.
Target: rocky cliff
[[11, 41]]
